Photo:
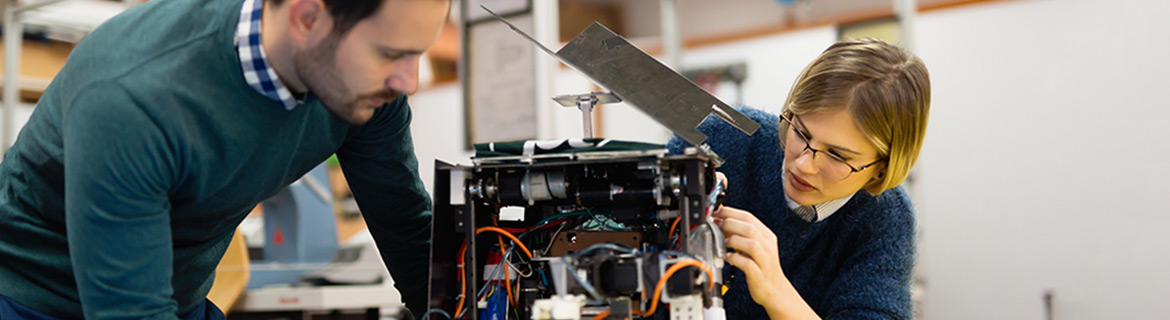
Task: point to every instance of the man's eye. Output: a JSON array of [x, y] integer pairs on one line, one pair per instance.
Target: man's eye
[[392, 55]]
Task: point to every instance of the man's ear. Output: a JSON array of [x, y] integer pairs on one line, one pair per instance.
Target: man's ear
[[307, 20]]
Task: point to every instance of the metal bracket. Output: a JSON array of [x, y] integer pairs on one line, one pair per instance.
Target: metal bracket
[[585, 103]]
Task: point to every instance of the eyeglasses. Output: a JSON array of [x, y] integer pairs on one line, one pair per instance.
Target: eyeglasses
[[831, 165]]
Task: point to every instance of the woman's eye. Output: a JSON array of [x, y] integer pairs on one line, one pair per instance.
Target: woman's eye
[[836, 155]]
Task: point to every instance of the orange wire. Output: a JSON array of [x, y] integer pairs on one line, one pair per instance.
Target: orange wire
[[665, 276], [604, 314], [506, 233], [504, 263], [672, 226], [462, 282], [463, 252]]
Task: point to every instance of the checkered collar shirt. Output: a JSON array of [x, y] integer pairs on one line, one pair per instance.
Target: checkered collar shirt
[[254, 62], [822, 210]]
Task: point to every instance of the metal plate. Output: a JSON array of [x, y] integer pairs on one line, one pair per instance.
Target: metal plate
[[643, 82], [639, 79]]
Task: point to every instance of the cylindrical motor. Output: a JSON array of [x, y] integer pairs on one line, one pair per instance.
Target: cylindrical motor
[[539, 186], [528, 187]]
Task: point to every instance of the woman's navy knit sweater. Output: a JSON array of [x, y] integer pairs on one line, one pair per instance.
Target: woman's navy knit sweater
[[855, 264]]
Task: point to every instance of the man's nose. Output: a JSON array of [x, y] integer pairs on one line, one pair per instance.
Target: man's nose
[[404, 76]]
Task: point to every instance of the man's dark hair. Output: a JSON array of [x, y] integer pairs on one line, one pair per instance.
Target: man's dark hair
[[346, 13]]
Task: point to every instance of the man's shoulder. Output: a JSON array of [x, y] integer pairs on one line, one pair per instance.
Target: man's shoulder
[[158, 55], [155, 37]]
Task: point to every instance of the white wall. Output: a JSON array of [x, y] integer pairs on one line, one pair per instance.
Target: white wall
[[773, 63], [1045, 160]]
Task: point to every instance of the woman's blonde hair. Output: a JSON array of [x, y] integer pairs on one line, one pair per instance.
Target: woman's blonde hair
[[886, 89]]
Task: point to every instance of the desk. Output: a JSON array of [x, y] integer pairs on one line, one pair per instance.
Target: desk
[[316, 302]]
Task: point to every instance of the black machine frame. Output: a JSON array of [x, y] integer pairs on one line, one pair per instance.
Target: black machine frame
[[681, 184]]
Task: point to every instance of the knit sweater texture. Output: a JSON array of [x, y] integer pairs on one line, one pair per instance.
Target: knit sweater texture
[[855, 264], [122, 192]]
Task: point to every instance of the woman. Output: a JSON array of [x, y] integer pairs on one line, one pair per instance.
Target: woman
[[814, 214]]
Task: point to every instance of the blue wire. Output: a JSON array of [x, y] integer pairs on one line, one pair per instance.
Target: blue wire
[[496, 271], [598, 246], [714, 197]]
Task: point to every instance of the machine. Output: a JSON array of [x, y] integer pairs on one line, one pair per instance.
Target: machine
[[587, 228]]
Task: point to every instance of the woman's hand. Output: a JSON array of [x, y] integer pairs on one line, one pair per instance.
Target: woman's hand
[[756, 253]]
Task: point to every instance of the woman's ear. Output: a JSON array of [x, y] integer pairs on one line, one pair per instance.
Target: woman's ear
[[880, 168], [874, 186]]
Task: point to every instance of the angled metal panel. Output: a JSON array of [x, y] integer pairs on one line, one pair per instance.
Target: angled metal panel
[[644, 82]]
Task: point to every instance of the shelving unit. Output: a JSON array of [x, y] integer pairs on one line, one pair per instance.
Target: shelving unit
[[15, 13]]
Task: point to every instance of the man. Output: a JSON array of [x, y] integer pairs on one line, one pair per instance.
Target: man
[[173, 119]]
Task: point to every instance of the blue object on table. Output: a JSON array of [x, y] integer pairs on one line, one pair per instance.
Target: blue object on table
[[300, 233]]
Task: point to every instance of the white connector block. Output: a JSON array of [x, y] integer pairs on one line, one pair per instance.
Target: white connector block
[[687, 308], [561, 307]]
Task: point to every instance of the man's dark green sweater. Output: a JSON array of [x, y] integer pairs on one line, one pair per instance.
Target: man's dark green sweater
[[147, 150]]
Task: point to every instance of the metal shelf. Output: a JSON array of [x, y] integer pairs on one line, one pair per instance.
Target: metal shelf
[[14, 14]]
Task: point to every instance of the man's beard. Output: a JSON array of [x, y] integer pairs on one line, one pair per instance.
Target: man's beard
[[317, 68]]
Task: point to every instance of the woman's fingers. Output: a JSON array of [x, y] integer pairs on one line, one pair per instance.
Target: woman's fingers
[[726, 212], [736, 221], [739, 227], [748, 246], [743, 262]]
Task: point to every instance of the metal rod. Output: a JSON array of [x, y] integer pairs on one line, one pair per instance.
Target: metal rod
[[671, 40], [586, 104], [517, 30], [13, 38], [462, 73], [545, 29], [906, 12], [12, 47]]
